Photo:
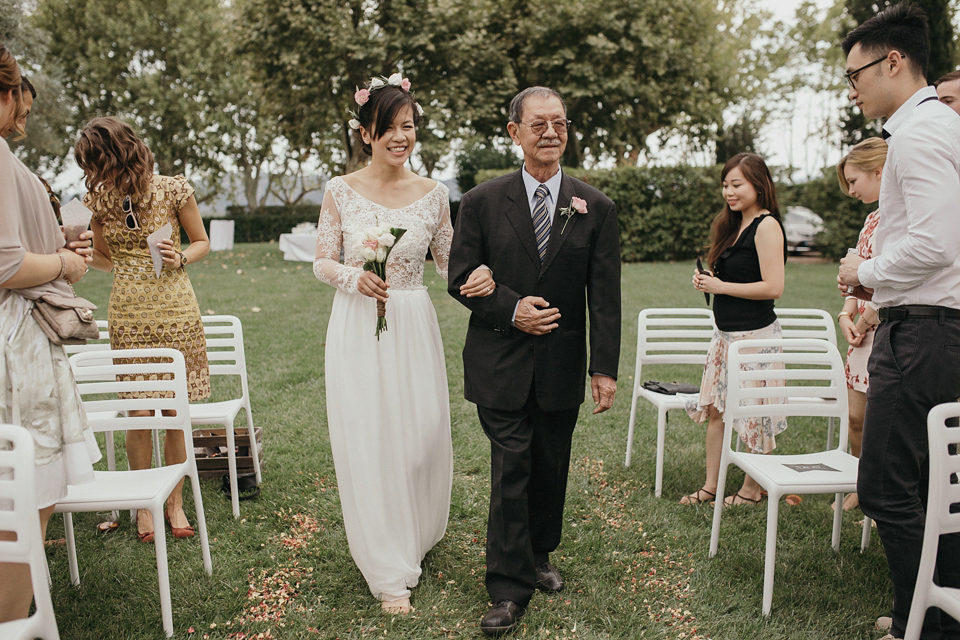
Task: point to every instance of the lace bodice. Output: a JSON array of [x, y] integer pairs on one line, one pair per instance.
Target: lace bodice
[[346, 215]]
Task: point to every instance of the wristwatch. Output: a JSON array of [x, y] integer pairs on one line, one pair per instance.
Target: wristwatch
[[844, 313], [183, 258]]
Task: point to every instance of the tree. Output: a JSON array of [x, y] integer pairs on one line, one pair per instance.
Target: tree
[[627, 68], [161, 65], [46, 144]]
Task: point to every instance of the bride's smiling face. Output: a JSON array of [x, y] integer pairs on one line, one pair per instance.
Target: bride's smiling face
[[396, 143]]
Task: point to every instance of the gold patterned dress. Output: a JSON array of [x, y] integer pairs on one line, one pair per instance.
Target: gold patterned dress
[[146, 311]]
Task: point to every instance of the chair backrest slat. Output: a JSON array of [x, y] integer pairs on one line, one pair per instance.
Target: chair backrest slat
[[811, 381]]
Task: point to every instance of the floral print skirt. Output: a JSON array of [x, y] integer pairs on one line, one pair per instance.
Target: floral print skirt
[[758, 434]]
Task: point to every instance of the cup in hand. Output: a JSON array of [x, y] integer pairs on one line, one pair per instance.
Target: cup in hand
[[76, 219]]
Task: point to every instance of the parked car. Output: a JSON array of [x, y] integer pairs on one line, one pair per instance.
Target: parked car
[[801, 227]]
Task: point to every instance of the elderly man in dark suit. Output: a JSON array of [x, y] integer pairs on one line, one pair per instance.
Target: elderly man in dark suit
[[552, 243]]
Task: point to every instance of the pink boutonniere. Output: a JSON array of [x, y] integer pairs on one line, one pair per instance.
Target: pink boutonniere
[[577, 205]]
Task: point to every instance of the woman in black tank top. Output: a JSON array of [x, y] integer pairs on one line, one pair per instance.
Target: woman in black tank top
[[747, 254]]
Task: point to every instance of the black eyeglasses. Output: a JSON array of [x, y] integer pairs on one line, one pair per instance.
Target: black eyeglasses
[[539, 127], [851, 77], [130, 218]]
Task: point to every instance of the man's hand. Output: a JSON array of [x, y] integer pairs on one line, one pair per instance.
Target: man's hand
[[535, 316], [604, 389], [848, 269]]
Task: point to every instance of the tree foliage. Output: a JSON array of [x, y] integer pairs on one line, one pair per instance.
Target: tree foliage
[[44, 147], [160, 64]]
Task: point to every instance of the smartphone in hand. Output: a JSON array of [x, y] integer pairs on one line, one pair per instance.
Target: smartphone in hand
[[700, 269]]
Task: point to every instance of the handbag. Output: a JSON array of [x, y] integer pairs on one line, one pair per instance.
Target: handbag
[[65, 319], [670, 388]]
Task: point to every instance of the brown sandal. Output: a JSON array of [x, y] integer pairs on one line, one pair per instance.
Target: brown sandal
[[694, 498], [731, 501]]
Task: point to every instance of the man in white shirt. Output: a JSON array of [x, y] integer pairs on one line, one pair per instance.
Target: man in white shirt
[[948, 89], [914, 279]]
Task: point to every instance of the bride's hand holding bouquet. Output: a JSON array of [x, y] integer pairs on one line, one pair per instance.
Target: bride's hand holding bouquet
[[375, 249]]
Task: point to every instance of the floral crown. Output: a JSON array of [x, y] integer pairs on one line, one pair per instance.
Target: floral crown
[[361, 96]]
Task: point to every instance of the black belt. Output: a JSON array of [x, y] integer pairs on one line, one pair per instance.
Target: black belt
[[916, 311]]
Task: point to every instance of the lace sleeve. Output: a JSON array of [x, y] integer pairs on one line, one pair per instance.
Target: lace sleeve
[[326, 264], [442, 239]]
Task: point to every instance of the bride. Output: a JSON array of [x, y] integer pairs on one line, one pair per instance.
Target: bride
[[387, 403]]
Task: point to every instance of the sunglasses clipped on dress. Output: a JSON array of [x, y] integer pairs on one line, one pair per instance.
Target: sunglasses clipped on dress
[[130, 218]]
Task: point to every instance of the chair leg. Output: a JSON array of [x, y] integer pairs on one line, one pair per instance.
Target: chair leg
[[254, 449], [865, 537], [661, 444], [157, 454], [837, 515], [773, 513], [201, 523], [633, 419], [163, 569], [232, 470], [718, 506], [71, 548]]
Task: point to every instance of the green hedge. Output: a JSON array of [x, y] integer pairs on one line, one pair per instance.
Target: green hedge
[[842, 215], [665, 212], [263, 224]]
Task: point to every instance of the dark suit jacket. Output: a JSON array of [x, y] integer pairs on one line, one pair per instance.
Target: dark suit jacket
[[580, 272]]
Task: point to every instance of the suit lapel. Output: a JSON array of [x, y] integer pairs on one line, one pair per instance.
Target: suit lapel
[[559, 222], [519, 215]]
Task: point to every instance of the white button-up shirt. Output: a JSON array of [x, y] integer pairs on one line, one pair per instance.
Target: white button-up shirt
[[917, 243], [530, 184]]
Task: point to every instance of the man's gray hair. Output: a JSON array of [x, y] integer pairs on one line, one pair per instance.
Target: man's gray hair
[[516, 105]]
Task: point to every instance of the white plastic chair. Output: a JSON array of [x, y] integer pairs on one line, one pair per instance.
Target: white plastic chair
[[100, 344], [815, 385], [810, 323], [666, 336], [226, 356], [19, 514], [136, 489], [942, 496]]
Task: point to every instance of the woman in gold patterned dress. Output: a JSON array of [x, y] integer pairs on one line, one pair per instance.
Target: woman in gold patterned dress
[[129, 202]]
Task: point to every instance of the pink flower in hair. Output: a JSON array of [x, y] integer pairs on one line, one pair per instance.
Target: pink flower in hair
[[405, 84], [361, 96]]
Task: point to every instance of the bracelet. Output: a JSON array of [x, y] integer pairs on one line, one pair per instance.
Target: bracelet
[[183, 258], [844, 313], [63, 267]]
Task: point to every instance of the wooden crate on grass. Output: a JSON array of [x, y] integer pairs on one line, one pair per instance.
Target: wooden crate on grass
[[210, 447]]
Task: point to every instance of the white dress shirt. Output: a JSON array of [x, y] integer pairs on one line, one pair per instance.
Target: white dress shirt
[[553, 184], [917, 243]]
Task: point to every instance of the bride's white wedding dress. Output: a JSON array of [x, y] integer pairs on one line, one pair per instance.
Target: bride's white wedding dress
[[387, 402]]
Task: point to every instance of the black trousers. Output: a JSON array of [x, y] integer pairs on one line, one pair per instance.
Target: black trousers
[[914, 366], [529, 461]]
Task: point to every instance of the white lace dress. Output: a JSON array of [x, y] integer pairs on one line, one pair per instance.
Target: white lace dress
[[387, 403]]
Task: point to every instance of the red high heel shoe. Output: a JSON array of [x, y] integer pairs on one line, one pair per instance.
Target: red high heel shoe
[[182, 532]]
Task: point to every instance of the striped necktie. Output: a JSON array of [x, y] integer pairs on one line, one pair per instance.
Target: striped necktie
[[541, 221]]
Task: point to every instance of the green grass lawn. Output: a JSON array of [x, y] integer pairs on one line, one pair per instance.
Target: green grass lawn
[[636, 566]]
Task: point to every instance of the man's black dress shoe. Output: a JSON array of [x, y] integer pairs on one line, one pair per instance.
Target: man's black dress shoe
[[548, 578], [501, 618]]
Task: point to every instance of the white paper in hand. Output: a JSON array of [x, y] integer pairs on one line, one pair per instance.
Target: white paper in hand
[[153, 240]]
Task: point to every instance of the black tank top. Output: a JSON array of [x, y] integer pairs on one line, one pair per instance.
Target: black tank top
[[740, 263]]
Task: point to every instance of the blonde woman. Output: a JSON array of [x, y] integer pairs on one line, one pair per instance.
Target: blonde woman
[[859, 175], [129, 202]]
